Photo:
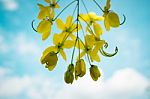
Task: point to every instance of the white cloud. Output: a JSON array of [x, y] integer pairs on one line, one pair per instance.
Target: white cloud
[[10, 5], [20, 44], [24, 45], [124, 84]]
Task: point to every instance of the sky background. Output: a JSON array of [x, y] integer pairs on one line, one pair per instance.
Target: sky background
[[124, 76]]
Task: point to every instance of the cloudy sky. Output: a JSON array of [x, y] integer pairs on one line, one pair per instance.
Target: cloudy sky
[[125, 76]]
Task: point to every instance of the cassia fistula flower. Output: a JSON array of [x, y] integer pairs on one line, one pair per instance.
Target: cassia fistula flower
[[50, 59]]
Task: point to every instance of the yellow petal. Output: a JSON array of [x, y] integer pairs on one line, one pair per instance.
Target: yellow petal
[[90, 40], [48, 1], [41, 7], [63, 54], [113, 19], [49, 49], [45, 35], [94, 56], [69, 21], [44, 12], [106, 24], [68, 44], [73, 37], [51, 16], [50, 68], [97, 29], [44, 26], [56, 39], [81, 54], [53, 1], [83, 17], [60, 24], [98, 45], [80, 44], [57, 6]]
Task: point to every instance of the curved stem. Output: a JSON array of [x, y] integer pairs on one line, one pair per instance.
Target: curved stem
[[73, 51], [124, 19], [108, 54], [64, 10], [78, 25], [33, 26]]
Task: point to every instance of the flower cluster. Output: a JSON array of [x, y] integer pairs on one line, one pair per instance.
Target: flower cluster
[[89, 46]]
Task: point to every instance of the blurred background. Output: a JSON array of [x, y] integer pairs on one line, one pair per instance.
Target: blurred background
[[124, 76]]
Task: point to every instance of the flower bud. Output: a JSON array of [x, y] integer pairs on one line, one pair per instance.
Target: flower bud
[[80, 68], [94, 72], [71, 68], [68, 77]]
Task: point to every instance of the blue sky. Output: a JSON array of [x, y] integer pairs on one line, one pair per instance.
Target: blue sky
[[125, 75]]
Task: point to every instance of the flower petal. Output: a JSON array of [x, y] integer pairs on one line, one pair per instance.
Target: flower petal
[[60, 24], [49, 49], [69, 21], [106, 24], [90, 40], [68, 44], [94, 56], [48, 1], [97, 29], [98, 45], [44, 26], [56, 39], [63, 54], [113, 19]]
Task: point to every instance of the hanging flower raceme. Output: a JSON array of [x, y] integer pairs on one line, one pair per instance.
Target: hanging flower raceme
[[81, 33]]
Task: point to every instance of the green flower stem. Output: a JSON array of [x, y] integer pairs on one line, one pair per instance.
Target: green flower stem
[[73, 51], [85, 6], [78, 8], [98, 5], [64, 9]]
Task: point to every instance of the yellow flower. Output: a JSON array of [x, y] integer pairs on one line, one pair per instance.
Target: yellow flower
[[91, 47], [94, 72], [90, 18], [80, 68], [46, 18], [69, 27], [60, 44], [94, 38], [49, 58], [111, 18], [44, 12], [53, 4]]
